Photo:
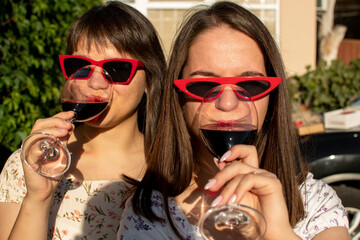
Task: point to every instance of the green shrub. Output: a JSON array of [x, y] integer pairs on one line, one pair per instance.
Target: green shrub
[[33, 33], [327, 88]]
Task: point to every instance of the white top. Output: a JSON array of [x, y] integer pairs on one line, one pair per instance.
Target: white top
[[80, 209], [323, 209]]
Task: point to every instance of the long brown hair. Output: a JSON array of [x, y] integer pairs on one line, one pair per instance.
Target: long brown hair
[[129, 32], [170, 164]]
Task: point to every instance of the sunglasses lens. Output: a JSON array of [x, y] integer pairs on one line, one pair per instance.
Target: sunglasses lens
[[201, 89], [119, 71], [254, 88], [71, 65], [83, 73]]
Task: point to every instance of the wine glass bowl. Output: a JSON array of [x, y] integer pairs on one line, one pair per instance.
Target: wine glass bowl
[[227, 116], [88, 93]]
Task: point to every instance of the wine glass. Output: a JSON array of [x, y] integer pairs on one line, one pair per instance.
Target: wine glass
[[87, 92], [228, 116]]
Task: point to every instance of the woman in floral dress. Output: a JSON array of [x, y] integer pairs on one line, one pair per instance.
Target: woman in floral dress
[[85, 202]]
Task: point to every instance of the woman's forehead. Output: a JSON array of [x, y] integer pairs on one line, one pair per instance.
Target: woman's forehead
[[93, 44], [102, 48]]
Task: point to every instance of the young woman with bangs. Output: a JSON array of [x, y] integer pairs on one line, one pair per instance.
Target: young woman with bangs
[[226, 43], [85, 202]]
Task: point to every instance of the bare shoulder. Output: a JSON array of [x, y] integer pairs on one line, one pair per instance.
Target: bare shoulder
[[336, 233]]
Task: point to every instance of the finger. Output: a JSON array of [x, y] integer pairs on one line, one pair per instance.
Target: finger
[[234, 191], [57, 132], [227, 174], [247, 153], [228, 193], [65, 115], [261, 183], [57, 122]]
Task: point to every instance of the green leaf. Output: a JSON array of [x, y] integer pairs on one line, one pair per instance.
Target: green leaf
[[327, 88], [33, 35]]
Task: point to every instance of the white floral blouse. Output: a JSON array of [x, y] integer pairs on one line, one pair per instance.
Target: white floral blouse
[[81, 210], [323, 209]]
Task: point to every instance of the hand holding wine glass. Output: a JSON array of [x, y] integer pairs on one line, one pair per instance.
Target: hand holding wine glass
[[227, 117], [87, 92], [254, 187]]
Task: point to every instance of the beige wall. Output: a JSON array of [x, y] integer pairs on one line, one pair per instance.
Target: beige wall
[[297, 40], [166, 22]]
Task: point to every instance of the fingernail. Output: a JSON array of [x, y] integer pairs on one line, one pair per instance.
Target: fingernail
[[216, 201], [210, 184], [225, 156], [232, 199]]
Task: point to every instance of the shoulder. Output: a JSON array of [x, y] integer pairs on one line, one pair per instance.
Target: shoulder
[[12, 180], [323, 208], [317, 193]]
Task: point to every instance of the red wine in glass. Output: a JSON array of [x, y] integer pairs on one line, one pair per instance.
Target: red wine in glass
[[219, 140], [84, 110]]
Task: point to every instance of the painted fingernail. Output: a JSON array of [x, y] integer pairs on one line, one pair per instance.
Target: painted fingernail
[[232, 199], [210, 184], [225, 156], [216, 201]]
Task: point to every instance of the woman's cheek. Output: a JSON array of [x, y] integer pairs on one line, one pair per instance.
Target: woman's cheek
[[191, 115], [261, 107]]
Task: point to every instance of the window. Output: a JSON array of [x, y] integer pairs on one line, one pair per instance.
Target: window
[[166, 14]]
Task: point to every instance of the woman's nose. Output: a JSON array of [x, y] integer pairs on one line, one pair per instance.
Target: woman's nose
[[97, 79], [227, 101]]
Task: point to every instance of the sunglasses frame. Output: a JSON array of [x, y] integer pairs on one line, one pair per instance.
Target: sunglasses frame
[[136, 64], [274, 82]]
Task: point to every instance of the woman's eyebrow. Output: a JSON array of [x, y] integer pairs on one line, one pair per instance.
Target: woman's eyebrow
[[203, 73], [251, 73], [211, 74]]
